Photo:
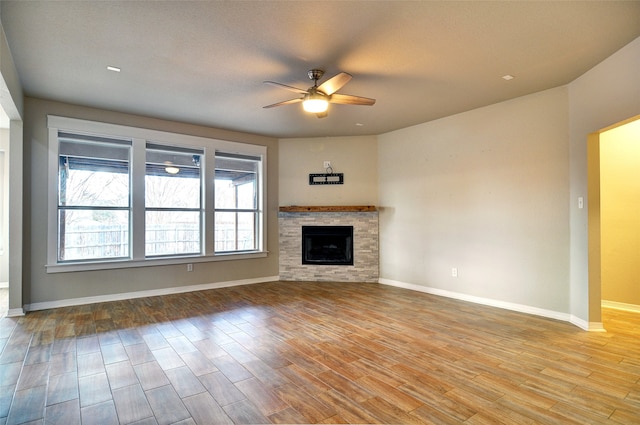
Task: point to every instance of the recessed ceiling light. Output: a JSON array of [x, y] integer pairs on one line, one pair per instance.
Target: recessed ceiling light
[[113, 68], [508, 77]]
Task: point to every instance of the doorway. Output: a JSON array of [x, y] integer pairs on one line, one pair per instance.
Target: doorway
[[614, 215]]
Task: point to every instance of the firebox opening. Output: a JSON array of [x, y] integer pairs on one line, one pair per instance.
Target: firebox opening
[[327, 245]]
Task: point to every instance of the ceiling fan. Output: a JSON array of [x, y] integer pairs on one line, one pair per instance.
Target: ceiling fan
[[316, 99]]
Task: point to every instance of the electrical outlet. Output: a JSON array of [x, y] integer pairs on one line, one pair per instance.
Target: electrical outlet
[[189, 267], [454, 272], [327, 164]]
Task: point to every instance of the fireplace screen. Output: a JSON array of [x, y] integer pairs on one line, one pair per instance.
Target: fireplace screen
[[327, 245]]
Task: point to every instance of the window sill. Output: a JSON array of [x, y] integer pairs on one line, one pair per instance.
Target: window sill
[[158, 261]]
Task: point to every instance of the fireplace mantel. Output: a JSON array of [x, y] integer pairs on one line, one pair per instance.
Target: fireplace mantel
[[334, 208]]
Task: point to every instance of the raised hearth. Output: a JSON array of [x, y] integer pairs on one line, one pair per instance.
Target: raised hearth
[[363, 219]]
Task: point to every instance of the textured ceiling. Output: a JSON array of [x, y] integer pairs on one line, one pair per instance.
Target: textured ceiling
[[204, 62]]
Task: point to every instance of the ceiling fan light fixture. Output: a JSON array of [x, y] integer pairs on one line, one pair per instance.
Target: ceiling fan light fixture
[[315, 105], [315, 102]]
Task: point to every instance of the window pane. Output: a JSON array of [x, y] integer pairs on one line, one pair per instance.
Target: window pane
[[92, 234], [93, 174], [172, 179], [247, 195], [236, 183], [172, 232], [225, 194], [225, 231], [235, 231], [247, 231], [172, 192], [236, 202]]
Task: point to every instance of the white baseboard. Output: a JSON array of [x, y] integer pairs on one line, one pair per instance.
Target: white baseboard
[[565, 317], [15, 312], [587, 326], [141, 294], [634, 308]]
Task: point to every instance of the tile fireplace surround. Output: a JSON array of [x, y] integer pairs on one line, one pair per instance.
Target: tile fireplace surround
[[364, 220]]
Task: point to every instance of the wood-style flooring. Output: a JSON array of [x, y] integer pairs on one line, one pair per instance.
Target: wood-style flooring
[[293, 352]]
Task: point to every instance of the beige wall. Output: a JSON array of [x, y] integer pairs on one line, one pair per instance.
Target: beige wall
[[356, 157], [43, 287], [485, 192], [620, 213]]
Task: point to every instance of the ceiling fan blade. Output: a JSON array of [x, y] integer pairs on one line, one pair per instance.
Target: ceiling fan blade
[[347, 99], [286, 87], [286, 102], [334, 83], [322, 114]]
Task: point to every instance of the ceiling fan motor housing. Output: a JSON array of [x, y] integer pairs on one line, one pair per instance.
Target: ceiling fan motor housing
[[315, 74], [314, 93]]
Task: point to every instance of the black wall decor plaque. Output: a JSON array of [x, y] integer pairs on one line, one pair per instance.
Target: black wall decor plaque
[[326, 178]]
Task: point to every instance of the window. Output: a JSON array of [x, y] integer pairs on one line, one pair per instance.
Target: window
[[172, 201], [236, 203], [93, 198], [128, 197]]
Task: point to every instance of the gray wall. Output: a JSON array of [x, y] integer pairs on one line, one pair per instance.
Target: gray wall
[[12, 99], [4, 199], [607, 94], [12, 102], [43, 287], [484, 192]]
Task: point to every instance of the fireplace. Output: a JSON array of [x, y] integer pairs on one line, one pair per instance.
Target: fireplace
[[364, 243], [327, 245]]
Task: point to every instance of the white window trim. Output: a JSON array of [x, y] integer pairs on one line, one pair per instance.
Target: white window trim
[[139, 137]]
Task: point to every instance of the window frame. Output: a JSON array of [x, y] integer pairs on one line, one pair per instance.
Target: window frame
[[63, 206], [139, 138], [238, 210], [155, 147]]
